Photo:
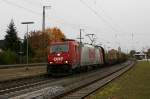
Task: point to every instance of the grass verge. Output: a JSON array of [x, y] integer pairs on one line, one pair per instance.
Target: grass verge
[[134, 84]]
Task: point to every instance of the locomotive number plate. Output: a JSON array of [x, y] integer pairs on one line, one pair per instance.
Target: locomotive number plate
[[58, 58]]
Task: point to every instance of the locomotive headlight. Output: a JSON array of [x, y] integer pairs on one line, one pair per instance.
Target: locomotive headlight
[[66, 62], [51, 62]]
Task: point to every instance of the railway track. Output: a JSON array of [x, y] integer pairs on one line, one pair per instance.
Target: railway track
[[84, 88], [26, 85], [91, 87], [20, 81], [58, 87], [9, 89]]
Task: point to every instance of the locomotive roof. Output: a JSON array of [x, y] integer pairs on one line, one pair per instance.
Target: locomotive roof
[[69, 40], [65, 41]]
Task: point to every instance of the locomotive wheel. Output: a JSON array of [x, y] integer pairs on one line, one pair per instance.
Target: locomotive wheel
[[77, 70], [86, 68], [70, 71]]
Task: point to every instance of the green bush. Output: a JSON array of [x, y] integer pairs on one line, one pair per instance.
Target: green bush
[[8, 57]]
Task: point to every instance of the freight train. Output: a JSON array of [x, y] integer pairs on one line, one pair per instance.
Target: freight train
[[69, 56]]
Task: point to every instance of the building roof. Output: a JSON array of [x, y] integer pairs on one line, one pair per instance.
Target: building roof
[[139, 54]]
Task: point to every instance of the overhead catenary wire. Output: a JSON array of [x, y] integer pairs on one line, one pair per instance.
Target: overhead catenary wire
[[122, 32], [39, 14], [111, 19], [14, 4], [106, 22], [99, 16], [33, 12], [33, 3]]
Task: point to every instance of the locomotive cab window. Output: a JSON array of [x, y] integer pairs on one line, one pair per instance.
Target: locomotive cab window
[[59, 48]]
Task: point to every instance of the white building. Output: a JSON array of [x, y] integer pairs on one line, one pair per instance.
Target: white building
[[140, 55]]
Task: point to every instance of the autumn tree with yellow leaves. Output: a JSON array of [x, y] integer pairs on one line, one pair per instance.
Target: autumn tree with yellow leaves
[[55, 35], [40, 40]]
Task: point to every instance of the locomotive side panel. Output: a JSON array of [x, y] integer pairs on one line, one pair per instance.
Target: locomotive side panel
[[97, 56], [74, 55], [90, 56], [84, 57], [101, 56]]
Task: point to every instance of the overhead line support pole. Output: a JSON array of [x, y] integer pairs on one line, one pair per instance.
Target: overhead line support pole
[[43, 29], [43, 24], [80, 35]]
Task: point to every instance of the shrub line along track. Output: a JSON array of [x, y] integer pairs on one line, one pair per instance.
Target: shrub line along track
[[68, 83]]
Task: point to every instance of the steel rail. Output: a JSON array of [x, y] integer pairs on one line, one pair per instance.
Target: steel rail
[[94, 86], [25, 86], [82, 84], [66, 82]]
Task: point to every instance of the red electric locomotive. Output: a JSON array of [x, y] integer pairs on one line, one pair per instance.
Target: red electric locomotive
[[69, 55]]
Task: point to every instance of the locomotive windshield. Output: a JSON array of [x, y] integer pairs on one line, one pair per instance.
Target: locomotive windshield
[[58, 48]]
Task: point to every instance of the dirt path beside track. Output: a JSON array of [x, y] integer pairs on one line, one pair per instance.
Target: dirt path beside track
[[13, 73]]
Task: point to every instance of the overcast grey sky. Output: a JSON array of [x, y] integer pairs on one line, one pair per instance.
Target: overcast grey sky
[[113, 21]]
